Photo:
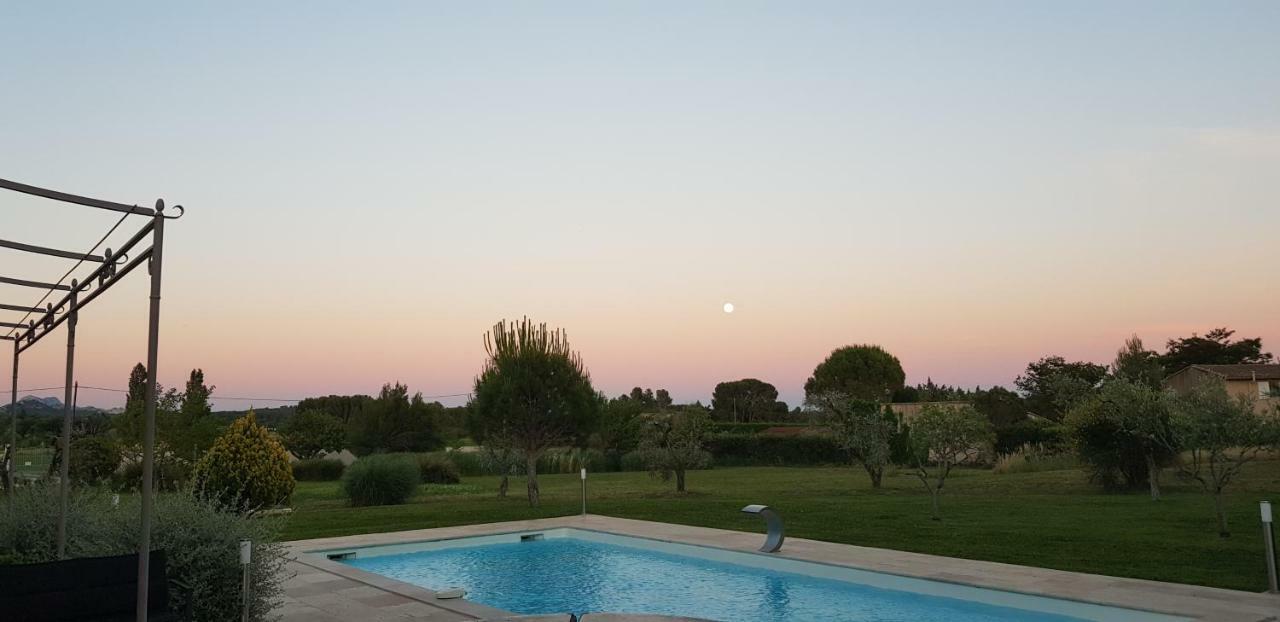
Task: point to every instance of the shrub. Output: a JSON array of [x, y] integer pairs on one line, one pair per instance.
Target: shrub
[[436, 469], [381, 479], [755, 427], [318, 470], [245, 469], [633, 461], [752, 450], [571, 460], [1049, 436], [469, 463], [1032, 459], [93, 459], [200, 540], [168, 474]]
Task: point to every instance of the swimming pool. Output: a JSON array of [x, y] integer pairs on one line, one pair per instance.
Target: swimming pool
[[579, 571]]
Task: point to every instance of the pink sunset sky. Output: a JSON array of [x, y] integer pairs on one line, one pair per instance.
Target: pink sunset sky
[[368, 192]]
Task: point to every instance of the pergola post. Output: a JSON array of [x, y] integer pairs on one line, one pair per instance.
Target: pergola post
[[68, 402], [13, 423], [149, 429]]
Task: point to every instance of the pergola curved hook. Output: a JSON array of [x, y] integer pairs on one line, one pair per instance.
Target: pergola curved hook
[[773, 541]]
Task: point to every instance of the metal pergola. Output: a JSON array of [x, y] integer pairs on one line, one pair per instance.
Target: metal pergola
[[112, 267]]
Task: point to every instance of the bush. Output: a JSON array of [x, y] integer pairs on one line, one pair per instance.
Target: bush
[[436, 469], [381, 479], [571, 460], [1032, 459], [245, 469], [93, 459], [470, 464], [729, 427], [200, 540], [1049, 436], [752, 450], [169, 474], [633, 461], [318, 470]]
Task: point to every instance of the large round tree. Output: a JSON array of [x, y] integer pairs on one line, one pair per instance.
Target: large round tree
[[533, 393], [863, 372]]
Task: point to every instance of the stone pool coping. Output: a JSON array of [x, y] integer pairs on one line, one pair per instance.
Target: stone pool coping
[[1200, 603]]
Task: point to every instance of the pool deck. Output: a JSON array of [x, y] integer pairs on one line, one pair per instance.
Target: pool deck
[[326, 591]]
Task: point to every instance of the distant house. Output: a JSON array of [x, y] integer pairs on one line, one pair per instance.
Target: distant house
[[1260, 381]]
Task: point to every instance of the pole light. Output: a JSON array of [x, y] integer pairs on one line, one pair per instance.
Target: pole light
[[1268, 535], [584, 491], [246, 554]]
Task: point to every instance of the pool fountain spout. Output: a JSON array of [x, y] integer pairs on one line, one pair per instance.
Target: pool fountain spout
[[773, 541]]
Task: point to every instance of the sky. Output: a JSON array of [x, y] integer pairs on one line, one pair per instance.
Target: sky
[[370, 187]]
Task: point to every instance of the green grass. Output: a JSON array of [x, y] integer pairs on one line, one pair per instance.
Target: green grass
[[1051, 519]]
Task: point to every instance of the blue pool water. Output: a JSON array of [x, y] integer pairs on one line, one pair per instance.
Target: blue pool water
[[566, 574]]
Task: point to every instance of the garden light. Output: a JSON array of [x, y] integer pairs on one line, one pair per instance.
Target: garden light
[[1268, 536]]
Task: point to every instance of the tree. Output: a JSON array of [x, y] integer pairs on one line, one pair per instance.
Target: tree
[[1214, 348], [865, 372], [671, 444], [501, 460], [395, 422], [532, 394], [945, 436], [1051, 385], [862, 427], [1134, 362], [619, 428], [1222, 433], [1124, 434], [344, 408], [309, 432], [1002, 407], [245, 468], [189, 429], [746, 400], [137, 395]]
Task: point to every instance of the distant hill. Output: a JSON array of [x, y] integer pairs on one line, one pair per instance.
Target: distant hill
[[48, 406]]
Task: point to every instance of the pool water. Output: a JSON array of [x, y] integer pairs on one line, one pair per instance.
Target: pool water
[[578, 575]]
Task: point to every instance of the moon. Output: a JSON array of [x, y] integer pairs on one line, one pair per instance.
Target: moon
[[728, 307]]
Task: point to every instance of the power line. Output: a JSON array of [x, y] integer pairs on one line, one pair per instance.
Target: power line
[[73, 269], [220, 397]]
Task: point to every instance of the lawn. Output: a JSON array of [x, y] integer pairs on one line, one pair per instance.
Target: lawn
[[1051, 519]]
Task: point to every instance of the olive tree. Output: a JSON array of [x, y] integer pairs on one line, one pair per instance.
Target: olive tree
[[1124, 434], [944, 436], [1221, 434], [862, 428], [671, 443], [533, 393], [497, 456]]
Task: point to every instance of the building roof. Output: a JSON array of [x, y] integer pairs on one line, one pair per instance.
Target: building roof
[[1247, 371]]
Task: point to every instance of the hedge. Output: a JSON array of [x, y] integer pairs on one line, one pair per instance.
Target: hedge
[[755, 450], [318, 470], [1051, 437], [755, 427]]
